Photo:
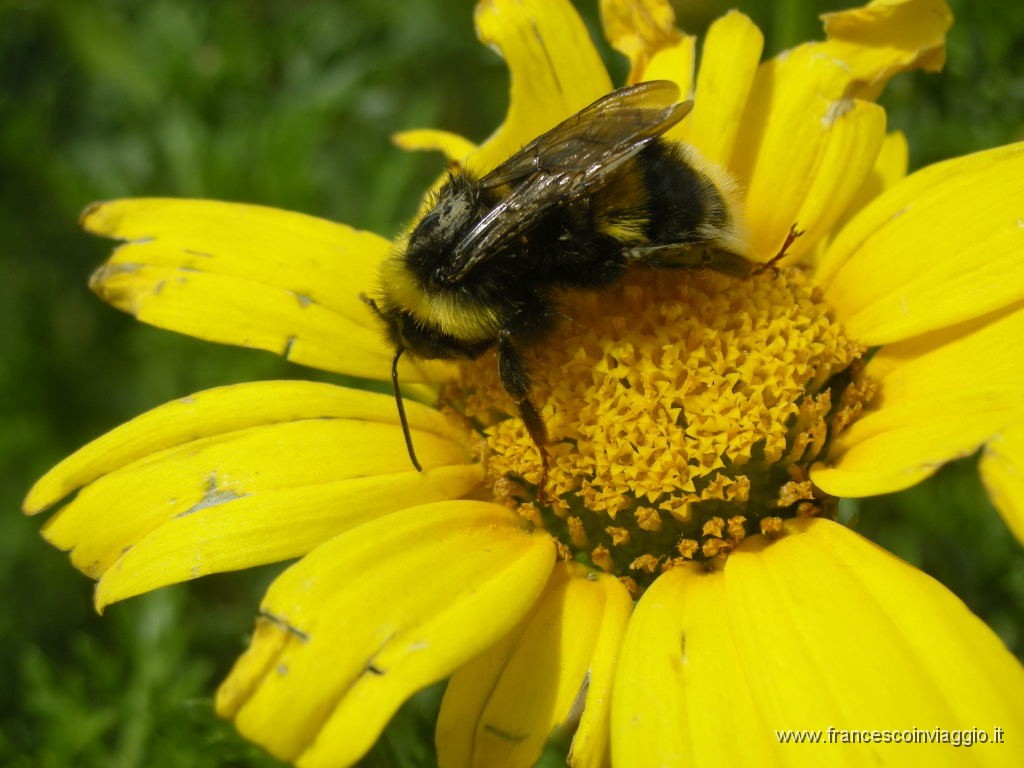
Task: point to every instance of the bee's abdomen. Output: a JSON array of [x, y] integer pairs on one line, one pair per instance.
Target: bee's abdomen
[[684, 203]]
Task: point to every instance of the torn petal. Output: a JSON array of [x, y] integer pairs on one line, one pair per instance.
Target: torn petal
[[162, 495], [887, 37], [790, 148], [247, 275], [270, 526], [848, 155], [216, 412]]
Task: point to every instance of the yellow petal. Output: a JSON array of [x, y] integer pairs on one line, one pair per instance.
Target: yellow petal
[[554, 68], [590, 745], [886, 37], [819, 629], [729, 59], [221, 411], [946, 363], [247, 275], [372, 616], [645, 32], [1002, 470], [500, 709], [900, 447], [796, 100], [848, 155], [680, 694], [457, 722], [118, 510], [641, 30], [890, 168], [833, 631], [455, 148], [275, 464], [940, 247], [790, 151], [676, 63], [932, 407], [270, 526]]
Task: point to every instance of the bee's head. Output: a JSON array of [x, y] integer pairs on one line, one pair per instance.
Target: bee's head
[[411, 334], [396, 321], [455, 209]]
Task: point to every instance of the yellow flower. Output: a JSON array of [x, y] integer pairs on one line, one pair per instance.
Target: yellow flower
[[702, 428]]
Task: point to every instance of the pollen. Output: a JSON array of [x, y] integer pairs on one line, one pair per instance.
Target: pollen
[[683, 411]]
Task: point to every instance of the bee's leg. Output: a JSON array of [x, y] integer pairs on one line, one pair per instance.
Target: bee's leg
[[772, 264], [689, 256], [516, 380]]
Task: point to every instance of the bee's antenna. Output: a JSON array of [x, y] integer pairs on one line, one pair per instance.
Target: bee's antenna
[[401, 411]]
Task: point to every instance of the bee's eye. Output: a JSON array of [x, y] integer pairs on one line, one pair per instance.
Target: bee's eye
[[437, 277], [423, 238]]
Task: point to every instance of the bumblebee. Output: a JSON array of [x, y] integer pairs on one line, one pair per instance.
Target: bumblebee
[[573, 209]]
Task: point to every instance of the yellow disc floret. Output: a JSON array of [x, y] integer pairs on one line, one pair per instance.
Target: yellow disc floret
[[683, 409]]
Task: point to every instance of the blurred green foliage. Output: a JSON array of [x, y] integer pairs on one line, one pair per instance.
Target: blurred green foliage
[[292, 105]]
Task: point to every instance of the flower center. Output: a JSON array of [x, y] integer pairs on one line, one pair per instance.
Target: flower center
[[684, 410]]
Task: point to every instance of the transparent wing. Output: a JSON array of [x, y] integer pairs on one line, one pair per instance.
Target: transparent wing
[[574, 158]]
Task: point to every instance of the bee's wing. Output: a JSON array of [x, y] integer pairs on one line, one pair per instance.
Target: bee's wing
[[575, 157]]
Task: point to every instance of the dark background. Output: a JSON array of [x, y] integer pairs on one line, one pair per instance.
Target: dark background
[[292, 105]]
